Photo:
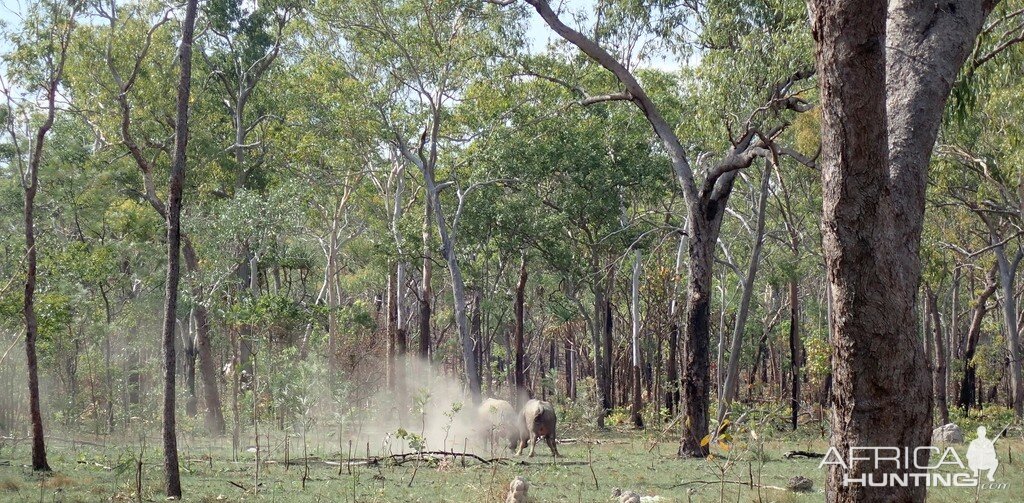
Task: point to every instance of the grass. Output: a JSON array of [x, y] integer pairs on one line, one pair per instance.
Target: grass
[[622, 458]]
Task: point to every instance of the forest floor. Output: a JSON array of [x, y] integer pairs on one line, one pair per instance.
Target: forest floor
[[591, 466]]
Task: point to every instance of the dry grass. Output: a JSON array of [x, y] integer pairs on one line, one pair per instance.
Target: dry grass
[[58, 481]]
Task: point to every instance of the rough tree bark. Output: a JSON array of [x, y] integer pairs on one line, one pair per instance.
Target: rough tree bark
[[174, 197], [31, 187], [881, 110]]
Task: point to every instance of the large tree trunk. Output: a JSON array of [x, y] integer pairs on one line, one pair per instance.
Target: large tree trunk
[[874, 311], [521, 394], [696, 385], [876, 145], [968, 386], [174, 197], [939, 374]]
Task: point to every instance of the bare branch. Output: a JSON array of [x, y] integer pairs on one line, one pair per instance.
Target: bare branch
[[591, 100]]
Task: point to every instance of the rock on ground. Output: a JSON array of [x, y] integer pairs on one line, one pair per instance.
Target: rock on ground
[[947, 434], [800, 484], [517, 490]]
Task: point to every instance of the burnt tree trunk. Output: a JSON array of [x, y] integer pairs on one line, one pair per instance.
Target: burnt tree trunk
[[795, 356], [39, 462], [637, 402], [696, 381], [672, 383]]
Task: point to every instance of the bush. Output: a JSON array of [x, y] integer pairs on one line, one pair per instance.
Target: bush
[[993, 417]]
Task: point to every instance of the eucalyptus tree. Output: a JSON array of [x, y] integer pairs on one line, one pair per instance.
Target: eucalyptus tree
[[35, 71], [729, 390], [241, 45], [706, 200], [796, 199], [242, 42], [573, 181], [126, 60], [419, 61], [967, 397], [980, 174], [174, 200], [984, 187], [330, 161], [881, 112]]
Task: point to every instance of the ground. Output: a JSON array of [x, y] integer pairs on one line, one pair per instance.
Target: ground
[[92, 471]]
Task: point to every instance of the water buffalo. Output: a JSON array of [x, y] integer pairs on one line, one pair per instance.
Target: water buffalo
[[537, 420], [498, 420]]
